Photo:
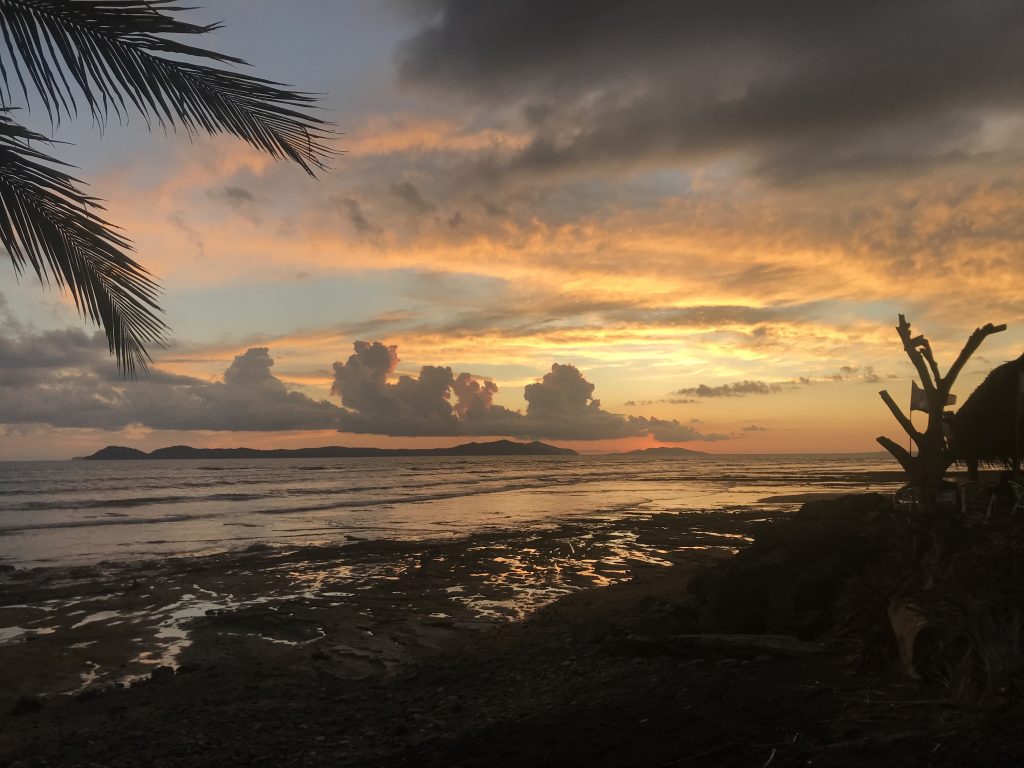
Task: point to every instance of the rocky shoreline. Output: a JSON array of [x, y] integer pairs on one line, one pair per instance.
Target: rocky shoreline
[[596, 677], [369, 605]]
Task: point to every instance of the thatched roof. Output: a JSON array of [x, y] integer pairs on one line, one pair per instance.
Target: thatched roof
[[983, 428]]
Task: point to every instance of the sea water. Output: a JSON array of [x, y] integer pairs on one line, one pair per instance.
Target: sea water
[[83, 512]]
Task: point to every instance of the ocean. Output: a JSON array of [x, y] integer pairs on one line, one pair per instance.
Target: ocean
[[85, 512]]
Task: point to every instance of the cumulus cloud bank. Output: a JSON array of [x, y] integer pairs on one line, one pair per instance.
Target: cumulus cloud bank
[[561, 405], [65, 379]]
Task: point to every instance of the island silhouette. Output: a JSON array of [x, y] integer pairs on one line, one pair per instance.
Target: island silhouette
[[494, 448]]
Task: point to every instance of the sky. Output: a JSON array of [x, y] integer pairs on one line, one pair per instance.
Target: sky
[[603, 225]]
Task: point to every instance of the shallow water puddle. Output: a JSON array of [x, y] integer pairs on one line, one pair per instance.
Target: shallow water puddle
[[97, 616], [10, 634]]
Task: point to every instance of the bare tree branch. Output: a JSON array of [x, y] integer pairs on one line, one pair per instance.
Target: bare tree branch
[[975, 340], [904, 421], [901, 454], [926, 350], [910, 347]]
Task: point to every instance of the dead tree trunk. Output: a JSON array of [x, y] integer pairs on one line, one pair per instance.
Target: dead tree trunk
[[934, 454]]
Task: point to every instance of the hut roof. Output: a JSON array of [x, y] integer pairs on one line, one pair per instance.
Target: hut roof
[[983, 428]]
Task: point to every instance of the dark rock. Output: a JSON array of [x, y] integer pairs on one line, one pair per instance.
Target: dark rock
[[26, 704], [788, 580], [780, 557], [591, 631], [162, 672], [820, 582], [705, 582], [807, 625], [737, 606]]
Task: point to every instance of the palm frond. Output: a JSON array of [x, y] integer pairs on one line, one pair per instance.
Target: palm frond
[[115, 53], [47, 223]]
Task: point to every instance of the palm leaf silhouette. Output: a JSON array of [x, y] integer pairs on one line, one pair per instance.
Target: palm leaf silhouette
[[48, 224], [114, 56]]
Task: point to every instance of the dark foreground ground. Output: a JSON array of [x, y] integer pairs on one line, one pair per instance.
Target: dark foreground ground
[[569, 686]]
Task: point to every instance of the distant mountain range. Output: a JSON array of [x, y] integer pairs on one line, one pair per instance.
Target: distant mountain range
[[495, 448]]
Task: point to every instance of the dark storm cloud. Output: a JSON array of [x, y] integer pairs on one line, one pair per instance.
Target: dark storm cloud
[[559, 406], [803, 86]]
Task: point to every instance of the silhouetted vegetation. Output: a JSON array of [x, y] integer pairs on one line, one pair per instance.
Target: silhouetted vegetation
[[931, 580], [950, 585], [987, 427]]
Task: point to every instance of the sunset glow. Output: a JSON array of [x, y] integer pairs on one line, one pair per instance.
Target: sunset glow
[[498, 212]]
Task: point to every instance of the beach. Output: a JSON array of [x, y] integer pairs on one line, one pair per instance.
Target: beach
[[111, 569], [582, 680], [369, 605], [480, 645]]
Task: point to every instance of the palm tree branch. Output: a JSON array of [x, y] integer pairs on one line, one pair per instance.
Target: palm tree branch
[[115, 53], [48, 224]]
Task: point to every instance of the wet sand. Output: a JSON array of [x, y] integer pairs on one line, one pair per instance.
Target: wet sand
[[502, 649], [366, 606]]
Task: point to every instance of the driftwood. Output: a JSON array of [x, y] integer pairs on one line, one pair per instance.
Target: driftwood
[[934, 454], [907, 621], [733, 645]]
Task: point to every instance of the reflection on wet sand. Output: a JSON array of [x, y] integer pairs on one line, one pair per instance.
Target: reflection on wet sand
[[352, 610]]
